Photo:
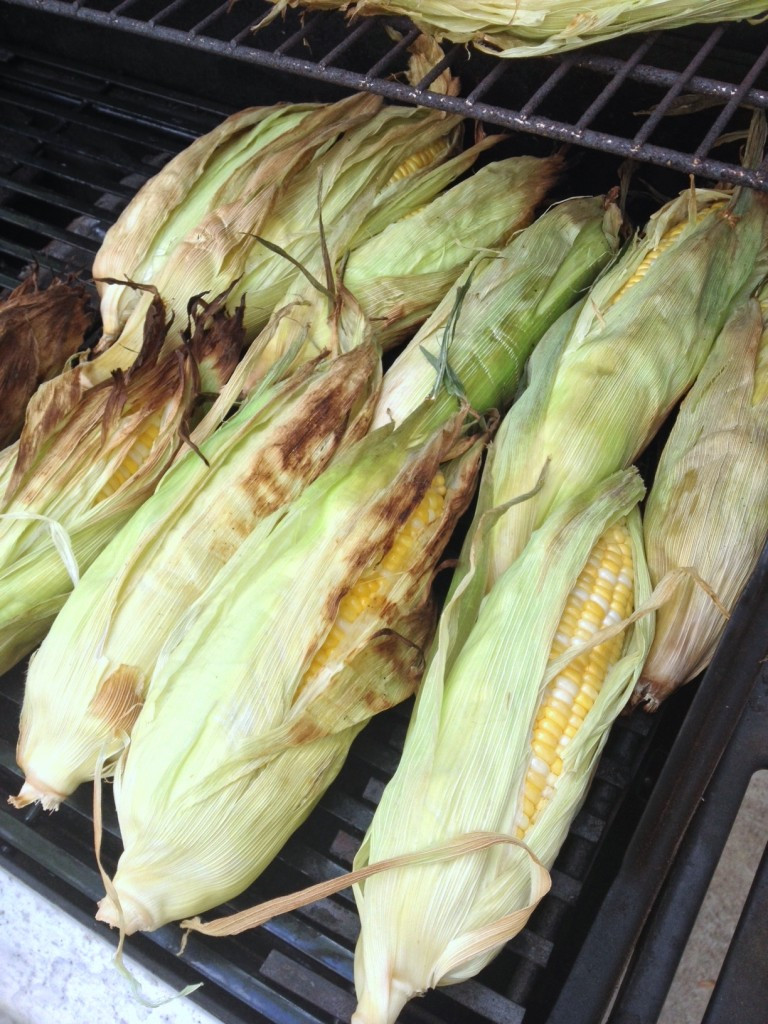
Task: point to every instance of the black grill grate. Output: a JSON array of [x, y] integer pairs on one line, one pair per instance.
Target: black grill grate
[[75, 144], [716, 64]]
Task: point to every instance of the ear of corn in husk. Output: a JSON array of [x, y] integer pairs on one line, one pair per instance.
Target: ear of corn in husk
[[87, 682], [504, 738], [708, 507], [529, 28], [501, 306], [81, 468], [39, 331], [212, 172], [337, 602], [606, 375]]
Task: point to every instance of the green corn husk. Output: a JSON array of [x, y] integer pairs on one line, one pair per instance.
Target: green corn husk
[[213, 171], [532, 28], [400, 275], [708, 507], [84, 465], [87, 682], [508, 301], [466, 754], [261, 740], [39, 331], [605, 376]]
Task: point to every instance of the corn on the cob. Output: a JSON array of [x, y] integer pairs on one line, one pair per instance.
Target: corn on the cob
[[335, 162], [708, 507], [509, 300], [88, 680], [528, 28], [337, 598], [39, 331], [605, 376], [85, 464], [513, 755], [212, 172]]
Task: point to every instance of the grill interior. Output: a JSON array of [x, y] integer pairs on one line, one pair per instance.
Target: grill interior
[[94, 97]]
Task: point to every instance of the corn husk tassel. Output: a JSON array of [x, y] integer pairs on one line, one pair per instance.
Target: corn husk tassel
[[85, 464], [39, 331], [708, 507], [474, 754], [337, 601], [88, 681], [605, 376], [531, 28]]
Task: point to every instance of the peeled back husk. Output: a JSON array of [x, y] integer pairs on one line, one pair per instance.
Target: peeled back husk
[[708, 507], [465, 758], [265, 728], [87, 683]]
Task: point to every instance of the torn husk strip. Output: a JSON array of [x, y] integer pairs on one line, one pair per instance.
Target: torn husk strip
[[461, 846], [88, 681], [39, 331], [466, 754], [276, 708], [603, 378], [87, 463], [708, 507]]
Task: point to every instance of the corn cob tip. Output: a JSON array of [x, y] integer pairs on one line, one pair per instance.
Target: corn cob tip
[[129, 916], [34, 791]]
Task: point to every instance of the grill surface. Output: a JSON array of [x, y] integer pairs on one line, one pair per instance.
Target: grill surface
[[714, 70], [75, 145]]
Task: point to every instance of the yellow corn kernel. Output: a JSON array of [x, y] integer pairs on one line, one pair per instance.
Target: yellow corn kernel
[[592, 605], [418, 161], [136, 456], [372, 587]]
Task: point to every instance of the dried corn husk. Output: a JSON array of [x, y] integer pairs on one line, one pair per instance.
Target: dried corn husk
[[605, 376], [83, 466], [708, 507], [39, 331]]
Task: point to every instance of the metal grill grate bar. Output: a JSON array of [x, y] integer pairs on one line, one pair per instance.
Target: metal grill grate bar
[[731, 106], [49, 231]]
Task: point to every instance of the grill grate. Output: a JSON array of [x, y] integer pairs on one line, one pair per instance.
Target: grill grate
[[75, 145], [709, 65]]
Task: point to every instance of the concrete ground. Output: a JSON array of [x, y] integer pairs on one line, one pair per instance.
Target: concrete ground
[[696, 974]]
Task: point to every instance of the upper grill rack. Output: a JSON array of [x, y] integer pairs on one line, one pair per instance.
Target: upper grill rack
[[701, 67]]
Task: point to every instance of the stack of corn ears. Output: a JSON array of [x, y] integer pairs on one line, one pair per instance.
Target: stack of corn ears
[[507, 729], [606, 375], [708, 507], [90, 676], [529, 28], [83, 466], [291, 691], [39, 331]]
